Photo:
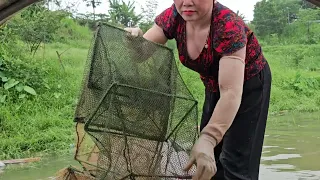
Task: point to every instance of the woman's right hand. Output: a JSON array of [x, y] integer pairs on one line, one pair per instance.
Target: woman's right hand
[[154, 34], [142, 50], [135, 32]]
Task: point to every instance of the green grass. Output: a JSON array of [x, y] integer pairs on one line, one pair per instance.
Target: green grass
[[295, 85], [44, 124], [294, 88]]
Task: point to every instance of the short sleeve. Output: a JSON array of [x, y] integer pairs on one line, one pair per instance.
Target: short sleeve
[[230, 35], [167, 21]]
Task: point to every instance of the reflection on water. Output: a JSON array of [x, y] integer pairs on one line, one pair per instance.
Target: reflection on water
[[274, 172], [292, 148], [280, 157], [38, 171], [291, 152]]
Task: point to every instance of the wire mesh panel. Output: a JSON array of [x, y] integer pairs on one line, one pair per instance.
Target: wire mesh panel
[[136, 109]]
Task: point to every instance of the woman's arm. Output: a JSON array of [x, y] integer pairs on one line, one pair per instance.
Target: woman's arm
[[231, 78], [142, 50], [163, 29], [156, 34], [231, 75]]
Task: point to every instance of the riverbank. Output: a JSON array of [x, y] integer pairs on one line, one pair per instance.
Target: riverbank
[[291, 151], [44, 123]]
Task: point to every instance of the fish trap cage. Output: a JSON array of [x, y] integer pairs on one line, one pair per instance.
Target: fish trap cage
[[136, 118]]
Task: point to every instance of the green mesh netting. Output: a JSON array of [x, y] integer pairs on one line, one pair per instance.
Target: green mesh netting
[[136, 119]]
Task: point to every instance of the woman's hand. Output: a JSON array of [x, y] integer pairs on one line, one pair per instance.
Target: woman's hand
[[135, 32], [202, 155], [142, 50]]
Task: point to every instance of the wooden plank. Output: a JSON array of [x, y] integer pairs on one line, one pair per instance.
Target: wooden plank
[[18, 161]]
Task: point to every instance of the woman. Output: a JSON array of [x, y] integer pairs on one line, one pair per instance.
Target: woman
[[213, 41]]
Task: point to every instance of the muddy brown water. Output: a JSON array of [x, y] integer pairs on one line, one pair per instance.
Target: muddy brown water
[[291, 152]]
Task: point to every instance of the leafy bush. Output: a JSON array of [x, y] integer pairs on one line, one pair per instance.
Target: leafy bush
[[70, 30], [303, 85], [20, 75], [19, 78], [36, 25]]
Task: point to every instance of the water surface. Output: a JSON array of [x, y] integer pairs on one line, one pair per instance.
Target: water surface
[[291, 152]]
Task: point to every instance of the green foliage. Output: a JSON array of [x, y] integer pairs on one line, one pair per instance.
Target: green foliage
[[148, 13], [286, 22], [304, 85], [8, 40], [19, 74], [70, 31], [36, 25], [271, 16], [242, 16], [306, 29], [43, 123], [19, 78], [93, 4], [10, 84], [22, 76], [123, 13], [304, 57], [87, 20], [296, 78]]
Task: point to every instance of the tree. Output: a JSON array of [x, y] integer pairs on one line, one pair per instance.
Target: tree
[[66, 6], [149, 14], [36, 24], [265, 18], [272, 16], [123, 13], [93, 4], [242, 16]]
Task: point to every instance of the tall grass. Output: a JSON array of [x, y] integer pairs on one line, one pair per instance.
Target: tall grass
[[295, 78], [45, 123]]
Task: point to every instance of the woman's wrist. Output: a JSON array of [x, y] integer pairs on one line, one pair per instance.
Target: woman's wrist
[[209, 137], [222, 118]]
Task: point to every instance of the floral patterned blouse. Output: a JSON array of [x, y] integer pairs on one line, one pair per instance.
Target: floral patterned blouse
[[228, 34]]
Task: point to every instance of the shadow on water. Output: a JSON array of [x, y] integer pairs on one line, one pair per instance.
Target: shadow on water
[[291, 152]]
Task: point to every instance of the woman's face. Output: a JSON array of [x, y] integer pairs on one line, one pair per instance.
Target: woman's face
[[192, 10]]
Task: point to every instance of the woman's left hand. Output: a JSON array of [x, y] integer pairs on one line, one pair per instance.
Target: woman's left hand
[[202, 155]]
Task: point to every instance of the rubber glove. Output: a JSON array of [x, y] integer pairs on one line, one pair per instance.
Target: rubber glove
[[135, 32], [202, 155]]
